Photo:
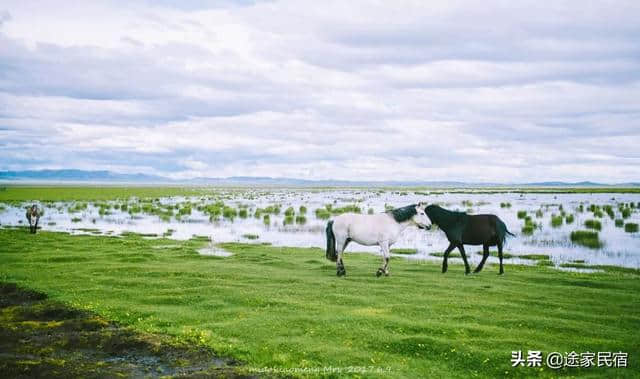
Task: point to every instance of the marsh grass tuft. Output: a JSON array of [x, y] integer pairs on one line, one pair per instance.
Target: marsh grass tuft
[[586, 238], [631, 227], [593, 224]]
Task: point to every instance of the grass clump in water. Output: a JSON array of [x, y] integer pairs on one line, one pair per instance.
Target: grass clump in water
[[619, 223], [586, 238], [78, 207], [522, 214], [229, 212], [609, 210], [569, 219], [529, 226], [556, 221], [593, 224], [323, 214], [631, 227]]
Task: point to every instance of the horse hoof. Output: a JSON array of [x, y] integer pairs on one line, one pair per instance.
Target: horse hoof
[[386, 274], [501, 273], [378, 273]]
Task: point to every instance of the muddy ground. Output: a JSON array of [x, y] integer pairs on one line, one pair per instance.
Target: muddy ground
[[43, 338]]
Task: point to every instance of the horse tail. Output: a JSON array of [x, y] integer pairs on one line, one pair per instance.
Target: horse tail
[[502, 230], [331, 243]]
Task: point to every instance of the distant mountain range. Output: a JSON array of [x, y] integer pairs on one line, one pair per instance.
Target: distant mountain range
[[82, 176]]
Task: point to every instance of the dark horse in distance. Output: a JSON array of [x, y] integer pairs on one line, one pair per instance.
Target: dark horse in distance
[[33, 216], [463, 229]]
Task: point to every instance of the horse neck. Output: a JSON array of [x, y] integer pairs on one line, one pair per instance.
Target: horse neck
[[405, 224], [439, 217]]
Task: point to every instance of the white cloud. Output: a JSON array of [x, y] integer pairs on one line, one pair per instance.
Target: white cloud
[[452, 90]]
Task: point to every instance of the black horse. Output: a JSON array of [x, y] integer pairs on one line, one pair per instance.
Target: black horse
[[33, 216], [463, 229]]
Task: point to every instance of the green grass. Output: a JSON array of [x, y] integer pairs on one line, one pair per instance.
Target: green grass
[[404, 251], [85, 193], [537, 257], [631, 227], [284, 307], [586, 238], [556, 221]]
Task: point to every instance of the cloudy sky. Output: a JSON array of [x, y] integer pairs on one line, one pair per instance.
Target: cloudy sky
[[366, 90]]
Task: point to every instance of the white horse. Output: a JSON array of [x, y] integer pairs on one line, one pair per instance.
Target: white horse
[[33, 215], [381, 229]]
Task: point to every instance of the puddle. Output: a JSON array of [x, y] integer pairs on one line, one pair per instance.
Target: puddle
[[215, 251]]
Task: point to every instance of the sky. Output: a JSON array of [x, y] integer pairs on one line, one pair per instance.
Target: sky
[[476, 91]]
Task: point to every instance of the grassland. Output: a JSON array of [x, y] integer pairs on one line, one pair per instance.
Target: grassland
[[284, 307], [12, 192], [87, 193]]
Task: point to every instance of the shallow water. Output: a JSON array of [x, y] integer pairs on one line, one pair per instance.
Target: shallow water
[[620, 248]]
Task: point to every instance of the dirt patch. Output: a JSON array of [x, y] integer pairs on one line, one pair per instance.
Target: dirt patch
[[43, 338]]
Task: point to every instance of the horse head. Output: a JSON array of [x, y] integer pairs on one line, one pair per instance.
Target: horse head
[[421, 218]]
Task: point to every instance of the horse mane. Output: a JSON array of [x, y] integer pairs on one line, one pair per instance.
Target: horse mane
[[403, 214], [443, 218]]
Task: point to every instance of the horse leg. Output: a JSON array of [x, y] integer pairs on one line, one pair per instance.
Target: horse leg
[[35, 227], [485, 255], [500, 257], [467, 270], [384, 247], [445, 265], [341, 244]]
